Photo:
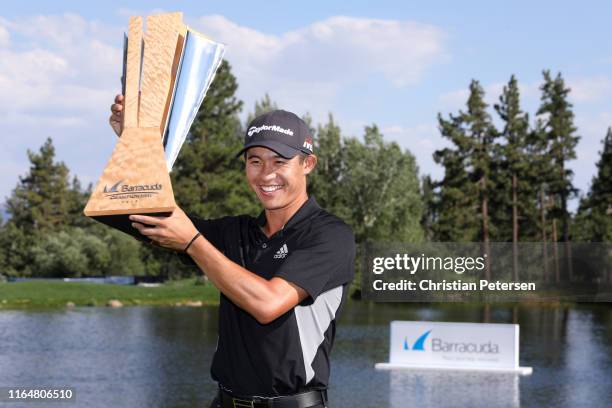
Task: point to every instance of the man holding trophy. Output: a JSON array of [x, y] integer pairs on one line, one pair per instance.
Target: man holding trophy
[[283, 276]]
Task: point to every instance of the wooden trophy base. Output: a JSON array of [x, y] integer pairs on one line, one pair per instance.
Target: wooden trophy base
[[135, 181]]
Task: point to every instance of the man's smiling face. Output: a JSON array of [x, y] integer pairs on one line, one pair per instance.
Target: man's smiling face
[[277, 181]]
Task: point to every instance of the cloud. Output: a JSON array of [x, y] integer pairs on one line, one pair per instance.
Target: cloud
[[590, 89], [454, 99], [5, 37], [316, 62], [58, 75], [62, 62]]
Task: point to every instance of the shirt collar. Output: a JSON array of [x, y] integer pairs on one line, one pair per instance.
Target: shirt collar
[[306, 210]]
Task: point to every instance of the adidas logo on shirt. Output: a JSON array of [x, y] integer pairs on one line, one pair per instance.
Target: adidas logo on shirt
[[282, 252]]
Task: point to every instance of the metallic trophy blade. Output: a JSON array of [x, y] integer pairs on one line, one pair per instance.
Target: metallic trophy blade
[[199, 62]]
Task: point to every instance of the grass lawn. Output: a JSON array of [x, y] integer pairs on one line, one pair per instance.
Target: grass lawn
[[21, 295]]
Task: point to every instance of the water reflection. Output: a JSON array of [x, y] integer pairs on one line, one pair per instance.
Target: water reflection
[[130, 357], [452, 389], [150, 357]]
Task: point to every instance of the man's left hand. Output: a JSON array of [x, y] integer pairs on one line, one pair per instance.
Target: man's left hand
[[173, 232]]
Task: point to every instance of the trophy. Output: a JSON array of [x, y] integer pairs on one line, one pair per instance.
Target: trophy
[[166, 73]]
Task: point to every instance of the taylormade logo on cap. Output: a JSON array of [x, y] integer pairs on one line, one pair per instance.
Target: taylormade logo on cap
[[280, 131], [275, 128]]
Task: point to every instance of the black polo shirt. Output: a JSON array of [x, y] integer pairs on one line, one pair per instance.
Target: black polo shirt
[[316, 251]]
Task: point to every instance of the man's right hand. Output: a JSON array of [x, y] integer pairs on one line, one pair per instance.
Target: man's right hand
[[116, 119]]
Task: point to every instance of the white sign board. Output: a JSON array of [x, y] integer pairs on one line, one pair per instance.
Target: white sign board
[[455, 346]]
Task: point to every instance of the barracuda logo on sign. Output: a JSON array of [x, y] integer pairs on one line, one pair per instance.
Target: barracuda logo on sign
[[441, 345], [419, 344]]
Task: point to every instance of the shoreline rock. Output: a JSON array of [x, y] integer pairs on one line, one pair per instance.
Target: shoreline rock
[[114, 303]]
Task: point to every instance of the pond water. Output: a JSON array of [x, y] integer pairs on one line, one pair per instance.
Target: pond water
[[160, 357]]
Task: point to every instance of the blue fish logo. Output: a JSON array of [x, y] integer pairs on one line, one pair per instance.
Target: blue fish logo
[[113, 189], [419, 344]]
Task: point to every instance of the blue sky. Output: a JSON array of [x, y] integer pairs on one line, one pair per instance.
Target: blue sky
[[396, 64]]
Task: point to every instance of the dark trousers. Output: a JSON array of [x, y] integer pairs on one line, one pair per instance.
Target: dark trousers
[[216, 404]]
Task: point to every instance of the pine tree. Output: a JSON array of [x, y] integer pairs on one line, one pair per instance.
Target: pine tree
[[481, 135], [540, 172], [514, 194], [40, 201], [558, 127], [43, 206], [594, 219], [456, 199], [466, 185], [558, 121], [456, 196], [464, 193], [601, 192]]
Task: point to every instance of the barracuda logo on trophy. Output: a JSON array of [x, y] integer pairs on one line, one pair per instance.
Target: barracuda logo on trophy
[[166, 73]]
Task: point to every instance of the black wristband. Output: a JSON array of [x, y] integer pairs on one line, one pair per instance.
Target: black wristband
[[191, 242]]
